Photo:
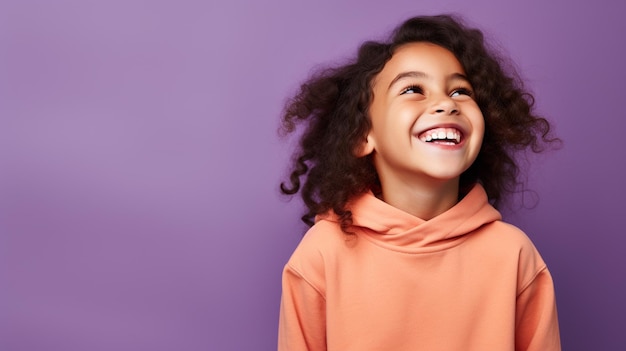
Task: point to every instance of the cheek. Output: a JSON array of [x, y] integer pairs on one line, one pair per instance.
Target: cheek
[[480, 126], [376, 116], [478, 120]]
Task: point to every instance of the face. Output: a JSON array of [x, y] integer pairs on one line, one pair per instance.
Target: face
[[426, 125]]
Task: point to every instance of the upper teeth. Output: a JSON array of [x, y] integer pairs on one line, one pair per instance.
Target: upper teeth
[[441, 134]]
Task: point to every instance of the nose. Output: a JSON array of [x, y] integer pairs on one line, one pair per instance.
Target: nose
[[445, 105]]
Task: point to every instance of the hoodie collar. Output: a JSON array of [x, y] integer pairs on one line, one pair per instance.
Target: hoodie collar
[[390, 226]]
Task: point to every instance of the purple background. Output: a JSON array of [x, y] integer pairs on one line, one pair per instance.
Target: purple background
[[140, 162]]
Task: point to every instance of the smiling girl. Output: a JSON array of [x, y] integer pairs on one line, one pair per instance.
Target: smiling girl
[[404, 154]]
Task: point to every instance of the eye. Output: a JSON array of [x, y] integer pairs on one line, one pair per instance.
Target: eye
[[461, 91], [412, 89]]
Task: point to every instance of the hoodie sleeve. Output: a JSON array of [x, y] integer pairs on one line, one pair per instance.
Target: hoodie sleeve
[[302, 324], [536, 324]]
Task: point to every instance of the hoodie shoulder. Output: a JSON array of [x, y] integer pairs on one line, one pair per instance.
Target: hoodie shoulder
[[513, 243], [318, 246]]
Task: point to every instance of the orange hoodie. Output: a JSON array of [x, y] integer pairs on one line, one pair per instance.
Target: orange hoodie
[[463, 280]]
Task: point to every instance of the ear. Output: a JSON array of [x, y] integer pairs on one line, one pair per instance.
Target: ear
[[366, 146]]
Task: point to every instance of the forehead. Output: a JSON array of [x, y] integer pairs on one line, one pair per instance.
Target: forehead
[[428, 58]]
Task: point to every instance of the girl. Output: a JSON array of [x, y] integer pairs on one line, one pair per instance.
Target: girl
[[405, 152]]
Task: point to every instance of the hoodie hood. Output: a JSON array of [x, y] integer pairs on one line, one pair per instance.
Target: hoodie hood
[[398, 230]]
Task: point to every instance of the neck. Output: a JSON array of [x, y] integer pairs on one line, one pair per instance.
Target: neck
[[424, 201]]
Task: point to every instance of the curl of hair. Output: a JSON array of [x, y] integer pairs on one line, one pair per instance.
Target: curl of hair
[[333, 107]]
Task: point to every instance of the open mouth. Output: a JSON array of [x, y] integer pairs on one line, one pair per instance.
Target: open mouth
[[446, 136]]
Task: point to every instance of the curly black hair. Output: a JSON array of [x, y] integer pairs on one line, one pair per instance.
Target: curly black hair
[[333, 107]]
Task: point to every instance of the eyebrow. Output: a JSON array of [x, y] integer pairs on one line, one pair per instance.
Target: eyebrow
[[419, 74]]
